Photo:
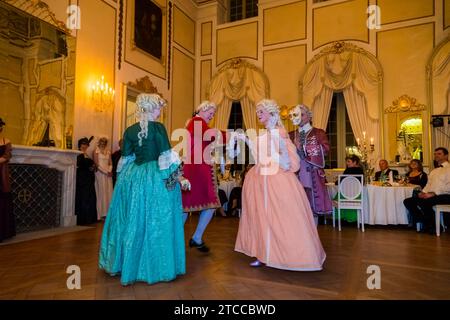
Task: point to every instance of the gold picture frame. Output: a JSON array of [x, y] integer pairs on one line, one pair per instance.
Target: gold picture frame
[[148, 29]]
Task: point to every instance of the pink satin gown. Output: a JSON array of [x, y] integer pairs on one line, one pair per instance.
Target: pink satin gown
[[277, 225]]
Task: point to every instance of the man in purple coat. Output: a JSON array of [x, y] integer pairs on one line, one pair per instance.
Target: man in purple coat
[[312, 146]]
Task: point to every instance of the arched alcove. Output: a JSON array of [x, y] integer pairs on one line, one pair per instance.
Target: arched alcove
[[358, 75], [238, 80]]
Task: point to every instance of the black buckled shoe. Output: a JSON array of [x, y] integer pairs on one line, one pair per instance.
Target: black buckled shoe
[[200, 246]]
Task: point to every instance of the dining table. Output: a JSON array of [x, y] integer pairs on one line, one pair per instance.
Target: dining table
[[382, 203]]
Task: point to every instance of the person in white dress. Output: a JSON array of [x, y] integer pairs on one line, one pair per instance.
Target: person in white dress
[[103, 177]]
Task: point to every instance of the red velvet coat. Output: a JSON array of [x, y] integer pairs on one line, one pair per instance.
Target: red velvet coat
[[199, 170]]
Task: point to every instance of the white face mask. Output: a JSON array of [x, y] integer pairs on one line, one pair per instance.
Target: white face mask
[[295, 116]]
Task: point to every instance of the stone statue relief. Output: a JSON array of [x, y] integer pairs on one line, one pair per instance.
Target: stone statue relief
[[37, 77], [48, 113]]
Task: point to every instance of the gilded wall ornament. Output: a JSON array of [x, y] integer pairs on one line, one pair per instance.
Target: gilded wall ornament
[[403, 104]]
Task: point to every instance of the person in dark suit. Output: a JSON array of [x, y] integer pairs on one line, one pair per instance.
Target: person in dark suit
[[384, 170], [115, 157], [7, 218], [416, 175], [85, 196], [436, 191]]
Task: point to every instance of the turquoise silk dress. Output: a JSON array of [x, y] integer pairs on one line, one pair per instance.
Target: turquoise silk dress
[[143, 235]]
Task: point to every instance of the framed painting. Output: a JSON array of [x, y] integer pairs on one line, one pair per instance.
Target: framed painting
[[148, 25]]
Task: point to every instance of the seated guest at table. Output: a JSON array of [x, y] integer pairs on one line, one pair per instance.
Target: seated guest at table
[[236, 194], [223, 176], [436, 191], [384, 171], [353, 167], [415, 174], [227, 174], [223, 199]]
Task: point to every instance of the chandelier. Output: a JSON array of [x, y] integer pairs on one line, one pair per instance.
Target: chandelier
[[102, 95]]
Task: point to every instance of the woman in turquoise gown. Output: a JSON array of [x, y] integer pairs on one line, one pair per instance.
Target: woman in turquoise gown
[[143, 235]]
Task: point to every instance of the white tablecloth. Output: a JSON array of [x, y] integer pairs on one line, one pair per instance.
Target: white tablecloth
[[382, 205], [386, 204], [227, 186]]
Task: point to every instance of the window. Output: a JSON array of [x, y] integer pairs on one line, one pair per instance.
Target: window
[[236, 121], [340, 133], [242, 9]]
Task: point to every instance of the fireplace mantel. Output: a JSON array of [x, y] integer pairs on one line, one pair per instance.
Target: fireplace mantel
[[61, 159]]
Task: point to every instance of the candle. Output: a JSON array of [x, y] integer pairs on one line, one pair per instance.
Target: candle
[[357, 140], [371, 141], [364, 135]]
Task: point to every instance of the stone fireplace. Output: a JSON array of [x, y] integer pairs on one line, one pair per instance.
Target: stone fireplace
[[43, 182]]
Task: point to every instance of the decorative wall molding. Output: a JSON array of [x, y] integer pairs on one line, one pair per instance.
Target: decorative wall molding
[[339, 47], [405, 103], [144, 85], [237, 63], [169, 48], [41, 10], [119, 55]]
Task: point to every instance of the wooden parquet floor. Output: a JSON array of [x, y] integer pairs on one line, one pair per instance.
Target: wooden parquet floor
[[413, 266]]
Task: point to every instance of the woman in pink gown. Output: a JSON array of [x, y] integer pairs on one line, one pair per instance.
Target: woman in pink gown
[[277, 226]]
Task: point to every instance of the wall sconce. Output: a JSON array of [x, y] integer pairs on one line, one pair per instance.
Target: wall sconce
[[284, 112], [102, 94]]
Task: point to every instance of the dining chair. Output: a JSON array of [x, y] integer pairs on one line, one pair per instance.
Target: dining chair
[[439, 210], [350, 196]]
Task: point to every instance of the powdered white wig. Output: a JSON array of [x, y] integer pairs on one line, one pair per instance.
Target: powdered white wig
[[305, 109], [205, 106], [271, 107], [146, 103]]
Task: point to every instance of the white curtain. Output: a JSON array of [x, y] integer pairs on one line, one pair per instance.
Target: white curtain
[[223, 113], [249, 112], [360, 119], [441, 95], [357, 76], [238, 81], [321, 109], [442, 136]]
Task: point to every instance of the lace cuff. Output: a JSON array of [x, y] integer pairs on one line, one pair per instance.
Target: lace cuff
[[234, 140], [285, 161], [168, 158], [124, 161], [173, 178]]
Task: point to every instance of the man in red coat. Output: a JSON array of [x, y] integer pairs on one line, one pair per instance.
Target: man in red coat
[[312, 146], [199, 170]]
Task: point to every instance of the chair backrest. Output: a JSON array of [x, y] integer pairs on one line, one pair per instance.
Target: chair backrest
[[350, 191]]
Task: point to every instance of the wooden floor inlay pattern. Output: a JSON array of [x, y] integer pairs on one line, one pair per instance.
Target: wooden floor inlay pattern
[[413, 266]]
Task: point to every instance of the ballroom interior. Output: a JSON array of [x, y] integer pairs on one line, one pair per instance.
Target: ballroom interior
[[375, 73]]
